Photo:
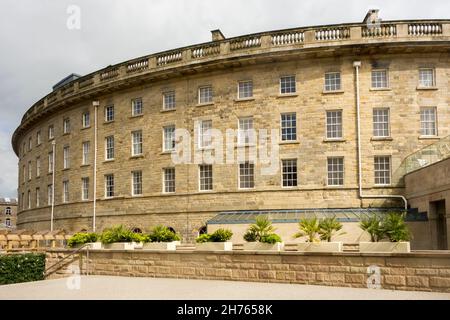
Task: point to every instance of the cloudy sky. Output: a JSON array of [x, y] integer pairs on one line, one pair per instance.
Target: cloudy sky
[[37, 49]]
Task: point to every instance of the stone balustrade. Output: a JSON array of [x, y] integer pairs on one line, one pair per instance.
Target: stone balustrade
[[266, 42]]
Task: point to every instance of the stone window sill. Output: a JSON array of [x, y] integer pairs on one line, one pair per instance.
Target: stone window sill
[[380, 89], [334, 140], [245, 145], [429, 137], [204, 104], [332, 91], [136, 116], [84, 165], [381, 139], [288, 142], [108, 122], [84, 128], [168, 110], [287, 95], [168, 152], [244, 99], [426, 88], [108, 160], [138, 156]]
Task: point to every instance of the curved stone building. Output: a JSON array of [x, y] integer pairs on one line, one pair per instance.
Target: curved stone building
[[378, 87]]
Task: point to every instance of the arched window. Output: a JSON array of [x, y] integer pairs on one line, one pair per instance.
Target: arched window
[[136, 230], [8, 211], [202, 230], [171, 229], [8, 222]]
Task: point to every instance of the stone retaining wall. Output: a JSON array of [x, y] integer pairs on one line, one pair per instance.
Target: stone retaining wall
[[418, 271]]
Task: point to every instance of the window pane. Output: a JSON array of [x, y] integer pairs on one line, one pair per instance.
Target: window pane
[[332, 81], [169, 180], [288, 127], [137, 182], [109, 148], [109, 113], [136, 143], [169, 100], [428, 121], [426, 77], [245, 132], [109, 185], [136, 106], [381, 122], [169, 138], [289, 173], [287, 84], [205, 133], [205, 94], [335, 171], [245, 89], [206, 178], [379, 79], [382, 170], [246, 175], [334, 124]]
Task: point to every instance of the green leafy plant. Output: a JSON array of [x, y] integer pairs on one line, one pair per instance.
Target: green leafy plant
[[395, 227], [220, 235], [81, 238], [374, 227], [309, 228], [161, 233], [328, 227], [262, 231], [271, 238], [203, 238], [121, 234], [15, 268]]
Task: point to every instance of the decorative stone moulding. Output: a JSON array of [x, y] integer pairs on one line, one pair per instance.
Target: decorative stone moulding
[[122, 245], [171, 246]]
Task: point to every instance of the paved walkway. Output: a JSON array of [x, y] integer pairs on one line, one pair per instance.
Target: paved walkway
[[107, 287]]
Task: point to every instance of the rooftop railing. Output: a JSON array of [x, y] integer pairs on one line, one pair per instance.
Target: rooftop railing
[[252, 44]]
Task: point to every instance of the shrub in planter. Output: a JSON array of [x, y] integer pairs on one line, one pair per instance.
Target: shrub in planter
[[15, 268], [316, 230], [261, 236], [161, 238], [218, 240], [119, 234], [80, 238], [309, 228], [393, 228]]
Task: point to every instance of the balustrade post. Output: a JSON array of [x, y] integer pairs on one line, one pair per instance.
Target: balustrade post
[[310, 36], [266, 41], [152, 63], [186, 55], [402, 30], [355, 33], [224, 48], [446, 29]]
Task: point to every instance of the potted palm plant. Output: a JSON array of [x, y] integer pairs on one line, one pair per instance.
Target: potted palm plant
[[315, 230], [218, 240], [392, 228], [261, 236], [161, 238], [121, 238]]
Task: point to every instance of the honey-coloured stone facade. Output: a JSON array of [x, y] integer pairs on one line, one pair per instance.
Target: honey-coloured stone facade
[[221, 64]]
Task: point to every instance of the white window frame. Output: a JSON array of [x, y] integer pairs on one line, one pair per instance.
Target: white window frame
[[339, 172], [51, 132], [169, 100], [86, 149], [205, 183], [332, 81], [251, 184], [169, 141], [202, 96], [136, 143], [136, 183], [38, 167], [424, 83], [65, 192], [172, 181], [30, 170], [377, 122], [109, 113], [66, 125], [109, 148], [85, 188], [204, 134], [375, 79], [38, 197], [380, 173], [38, 138], [246, 131], [8, 222], [288, 85], [245, 89], [424, 123], [49, 194], [333, 128], [86, 119], [50, 162], [109, 187], [287, 174], [288, 126], [66, 157], [137, 105], [29, 199]]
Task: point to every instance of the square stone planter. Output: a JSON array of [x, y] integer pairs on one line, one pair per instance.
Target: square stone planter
[[90, 245], [214, 246], [160, 245], [121, 245], [320, 246], [263, 246], [403, 246]]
